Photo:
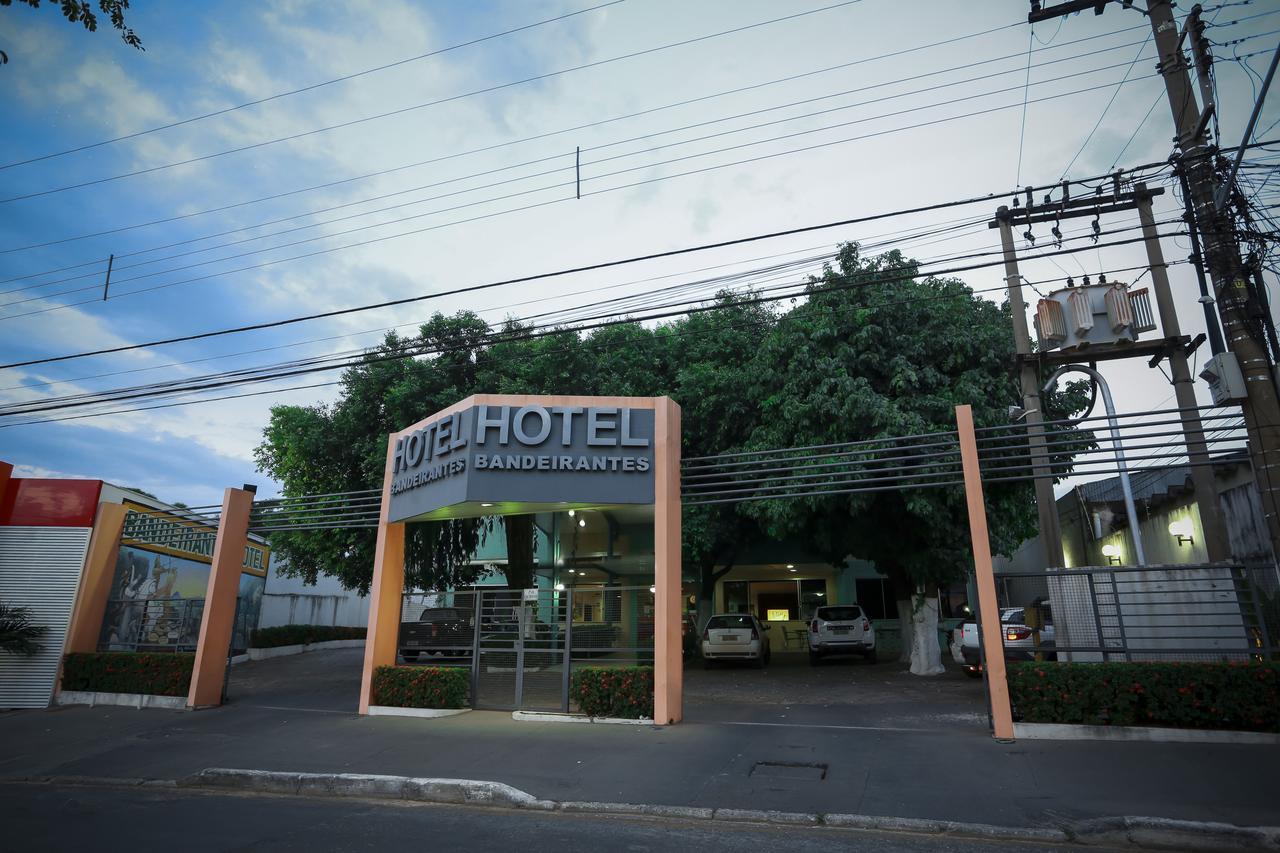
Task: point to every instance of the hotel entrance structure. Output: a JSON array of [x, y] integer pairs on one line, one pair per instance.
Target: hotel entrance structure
[[497, 455]]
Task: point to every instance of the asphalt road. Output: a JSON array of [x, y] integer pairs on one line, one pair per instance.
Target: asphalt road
[[71, 818]]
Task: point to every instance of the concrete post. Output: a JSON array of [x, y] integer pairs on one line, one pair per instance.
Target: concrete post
[[218, 619], [387, 591], [984, 575], [95, 579], [668, 658]]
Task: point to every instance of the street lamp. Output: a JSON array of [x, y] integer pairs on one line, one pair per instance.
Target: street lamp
[[1119, 451]]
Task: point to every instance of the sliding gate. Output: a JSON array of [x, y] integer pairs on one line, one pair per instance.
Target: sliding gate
[[522, 646]]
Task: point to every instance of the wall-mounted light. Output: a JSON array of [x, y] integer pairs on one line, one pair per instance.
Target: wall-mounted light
[[1112, 553], [1181, 530], [582, 522], [559, 587], [571, 513], [653, 589]]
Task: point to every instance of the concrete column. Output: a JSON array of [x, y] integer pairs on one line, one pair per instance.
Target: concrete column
[[668, 660], [95, 579], [989, 608], [218, 620], [387, 591]]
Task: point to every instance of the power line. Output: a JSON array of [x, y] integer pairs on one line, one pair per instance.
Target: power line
[[522, 279], [536, 205], [309, 88], [551, 158], [402, 110], [1107, 108]]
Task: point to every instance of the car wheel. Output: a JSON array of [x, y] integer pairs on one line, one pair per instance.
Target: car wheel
[[871, 656], [814, 658], [706, 663]]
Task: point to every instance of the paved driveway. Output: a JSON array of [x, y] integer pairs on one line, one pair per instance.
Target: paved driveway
[[839, 691]]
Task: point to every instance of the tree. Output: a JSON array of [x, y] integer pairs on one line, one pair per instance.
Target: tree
[[890, 353], [18, 635], [81, 12]]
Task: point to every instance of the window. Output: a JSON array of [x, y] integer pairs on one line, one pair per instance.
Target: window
[[735, 596], [730, 622], [813, 594]]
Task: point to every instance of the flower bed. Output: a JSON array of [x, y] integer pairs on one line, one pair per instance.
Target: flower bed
[[296, 635], [420, 687], [1233, 696], [625, 692], [153, 673]]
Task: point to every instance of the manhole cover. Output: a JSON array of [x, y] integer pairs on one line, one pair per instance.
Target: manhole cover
[[790, 770]]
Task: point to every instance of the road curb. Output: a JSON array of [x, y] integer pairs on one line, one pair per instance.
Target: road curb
[[1148, 833]]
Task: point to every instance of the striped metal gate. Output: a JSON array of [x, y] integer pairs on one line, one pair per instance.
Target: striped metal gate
[[40, 569], [521, 658]]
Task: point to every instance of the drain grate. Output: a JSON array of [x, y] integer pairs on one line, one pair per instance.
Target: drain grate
[[790, 770]]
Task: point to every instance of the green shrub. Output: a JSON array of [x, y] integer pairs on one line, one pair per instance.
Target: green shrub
[[155, 673], [1237, 696], [420, 686], [296, 635], [624, 691]]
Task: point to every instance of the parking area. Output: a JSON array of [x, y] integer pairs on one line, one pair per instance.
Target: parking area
[[839, 692]]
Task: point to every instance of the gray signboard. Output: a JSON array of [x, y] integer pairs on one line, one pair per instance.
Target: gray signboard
[[537, 455]]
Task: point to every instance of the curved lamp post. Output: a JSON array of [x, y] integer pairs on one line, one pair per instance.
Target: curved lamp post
[[1119, 451]]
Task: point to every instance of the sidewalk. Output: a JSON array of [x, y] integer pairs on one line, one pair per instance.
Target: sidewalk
[[959, 774]]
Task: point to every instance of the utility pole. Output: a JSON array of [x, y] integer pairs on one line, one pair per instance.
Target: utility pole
[[1222, 258], [1261, 407], [1029, 381]]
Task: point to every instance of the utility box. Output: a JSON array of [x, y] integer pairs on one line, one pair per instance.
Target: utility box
[[1075, 318], [1226, 382]]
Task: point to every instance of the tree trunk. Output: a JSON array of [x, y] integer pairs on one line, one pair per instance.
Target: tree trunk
[[519, 530], [926, 653], [906, 625]]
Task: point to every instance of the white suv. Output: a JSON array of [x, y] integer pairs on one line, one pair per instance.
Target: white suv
[[841, 629]]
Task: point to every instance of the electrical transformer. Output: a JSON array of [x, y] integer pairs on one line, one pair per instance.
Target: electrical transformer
[[1099, 314]]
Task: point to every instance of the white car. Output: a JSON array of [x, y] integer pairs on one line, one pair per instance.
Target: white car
[[841, 629], [1019, 640], [735, 636]]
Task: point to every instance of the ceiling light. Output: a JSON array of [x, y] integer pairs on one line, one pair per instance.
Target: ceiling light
[[791, 565], [791, 570], [559, 587], [486, 504], [571, 571]]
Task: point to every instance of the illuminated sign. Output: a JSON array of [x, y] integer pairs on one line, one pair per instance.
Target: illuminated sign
[[779, 615], [530, 454]]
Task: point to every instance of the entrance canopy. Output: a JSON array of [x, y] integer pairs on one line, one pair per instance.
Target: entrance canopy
[[507, 457]]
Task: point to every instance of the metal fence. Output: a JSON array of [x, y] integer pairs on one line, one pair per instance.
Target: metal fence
[[1201, 612], [163, 625], [521, 646]]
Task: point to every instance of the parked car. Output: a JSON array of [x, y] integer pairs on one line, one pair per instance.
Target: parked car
[[1019, 639], [689, 634], [841, 629], [449, 631], [735, 636]]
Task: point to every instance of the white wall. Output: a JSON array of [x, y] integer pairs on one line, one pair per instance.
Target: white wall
[[290, 601]]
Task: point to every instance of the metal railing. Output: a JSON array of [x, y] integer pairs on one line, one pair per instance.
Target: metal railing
[[1196, 612], [163, 625]]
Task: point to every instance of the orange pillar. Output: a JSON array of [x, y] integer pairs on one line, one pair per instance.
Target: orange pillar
[[386, 592], [95, 579], [668, 660], [219, 615], [997, 682]]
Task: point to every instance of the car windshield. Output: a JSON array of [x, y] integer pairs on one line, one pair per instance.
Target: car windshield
[[839, 614], [739, 621], [1012, 615]]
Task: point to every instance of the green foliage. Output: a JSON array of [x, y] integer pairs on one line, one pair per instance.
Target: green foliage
[[295, 635], [1242, 697], [624, 692], [81, 12], [154, 673], [889, 354], [420, 687], [18, 634]]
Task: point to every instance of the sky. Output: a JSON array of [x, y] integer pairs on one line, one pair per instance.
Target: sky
[[697, 123]]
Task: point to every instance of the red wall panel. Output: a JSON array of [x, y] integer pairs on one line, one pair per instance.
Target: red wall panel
[[50, 503]]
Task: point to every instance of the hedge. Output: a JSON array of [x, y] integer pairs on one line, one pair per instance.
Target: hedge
[[420, 686], [1235, 696], [625, 691], [155, 673], [296, 635]]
